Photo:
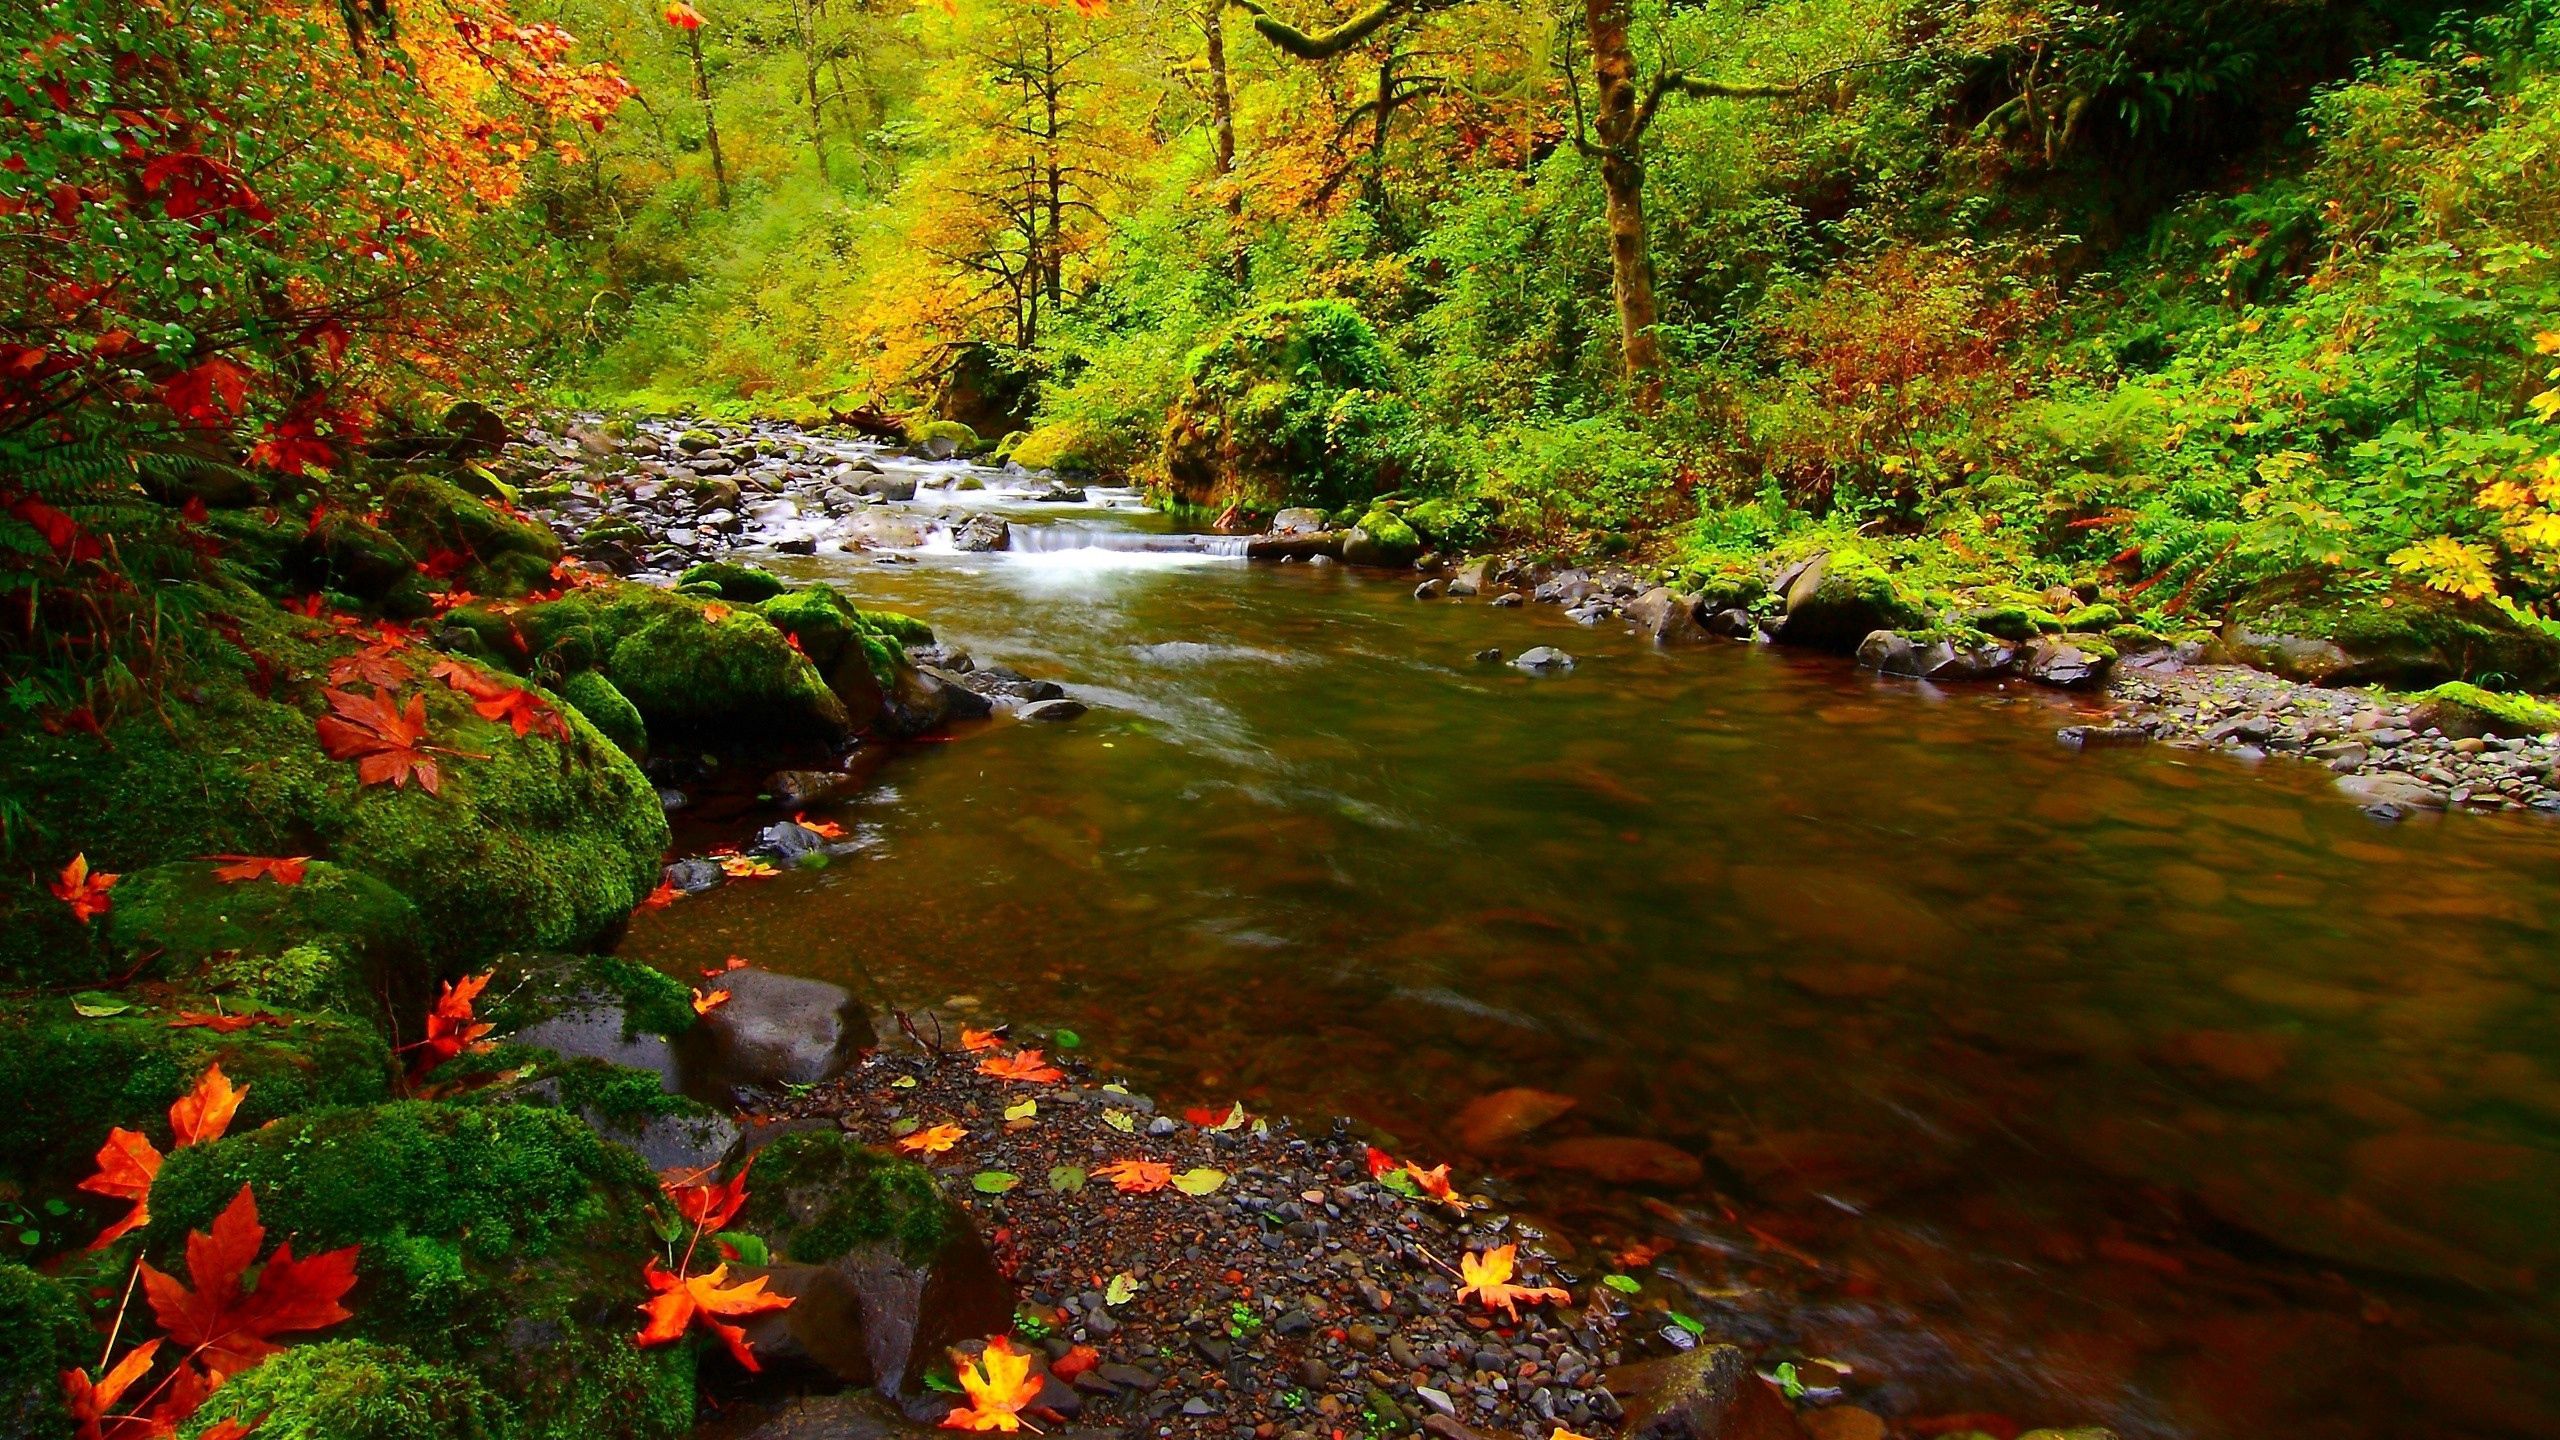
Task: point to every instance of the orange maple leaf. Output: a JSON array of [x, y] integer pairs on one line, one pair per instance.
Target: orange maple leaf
[[659, 899], [200, 1116], [678, 1300], [228, 1328], [974, 1040], [92, 1401], [704, 1004], [84, 890], [127, 1164], [226, 1024], [932, 1141], [451, 1027], [1075, 1362], [747, 867], [999, 1383], [734, 962], [523, 714], [1023, 1065], [823, 829], [1488, 1278], [708, 1205], [379, 664], [713, 611], [387, 742], [1137, 1177], [282, 869]]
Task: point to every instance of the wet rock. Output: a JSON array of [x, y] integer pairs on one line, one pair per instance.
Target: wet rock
[[1471, 578], [1708, 1394], [1565, 587], [982, 533], [2385, 787], [1051, 710], [1670, 617], [1298, 521], [1430, 589], [774, 1030], [1625, 1160], [695, 875], [923, 700], [1490, 655], [1838, 599], [2099, 737], [1543, 660], [1731, 624], [1490, 1122], [800, 789], [2068, 664], [788, 840], [887, 487]]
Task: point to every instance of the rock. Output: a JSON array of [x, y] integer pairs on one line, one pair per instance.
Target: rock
[[2069, 663], [476, 429], [1839, 598], [1430, 589], [1381, 540], [1732, 624], [801, 789], [1471, 578], [887, 487], [788, 840], [1051, 710], [1490, 1122], [923, 699], [1670, 617], [2410, 639], [695, 875], [1298, 521], [1890, 652], [774, 1030], [1490, 655], [981, 533], [2466, 711], [2098, 737], [1625, 1160], [2387, 787], [1708, 1394], [1565, 587], [1543, 660]]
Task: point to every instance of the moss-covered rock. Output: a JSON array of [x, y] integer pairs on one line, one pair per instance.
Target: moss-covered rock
[[1293, 404], [504, 1240], [1381, 539], [66, 1079], [351, 554], [2013, 621], [353, 1390], [730, 580], [487, 550], [1840, 597], [2411, 638], [182, 920], [2461, 709], [942, 439], [46, 1333], [609, 710], [1075, 446], [857, 651], [831, 1194]]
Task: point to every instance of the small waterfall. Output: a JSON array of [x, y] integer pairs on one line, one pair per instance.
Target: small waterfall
[[1070, 535]]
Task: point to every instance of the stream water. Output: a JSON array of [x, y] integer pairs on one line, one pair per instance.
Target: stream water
[[2130, 1087]]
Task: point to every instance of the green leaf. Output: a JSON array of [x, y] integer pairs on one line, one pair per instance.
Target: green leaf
[[1199, 1181], [1684, 1322], [1403, 1183], [1022, 1111], [907, 1126], [1066, 1039], [1067, 1179], [98, 1004], [1121, 1120], [1123, 1288], [1623, 1284], [903, 1082], [994, 1182], [752, 1250]]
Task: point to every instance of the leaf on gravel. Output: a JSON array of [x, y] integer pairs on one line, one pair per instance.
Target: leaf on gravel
[[1121, 1120], [994, 1182], [98, 1005], [1022, 1111], [1623, 1284], [903, 1082], [1066, 1039], [908, 1126], [1137, 1177], [1124, 1287], [1067, 1179], [1199, 1181]]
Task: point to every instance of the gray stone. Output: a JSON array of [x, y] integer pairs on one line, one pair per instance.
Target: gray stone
[[1732, 624], [800, 789], [788, 840], [982, 533], [1543, 660], [1298, 521], [1709, 1393], [1051, 710], [1430, 589], [1670, 617], [2384, 787], [2067, 666], [1471, 578], [692, 877], [773, 1030], [887, 487]]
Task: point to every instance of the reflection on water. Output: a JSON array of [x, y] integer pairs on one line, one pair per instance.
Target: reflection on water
[[2122, 1087]]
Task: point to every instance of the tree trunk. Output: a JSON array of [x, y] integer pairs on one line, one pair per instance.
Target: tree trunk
[[1617, 126], [1053, 256], [805, 12], [1222, 136], [710, 123]]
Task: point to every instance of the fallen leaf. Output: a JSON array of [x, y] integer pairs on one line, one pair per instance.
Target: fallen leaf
[[974, 1040], [747, 867], [1122, 1289], [451, 1026], [1121, 1120], [84, 890], [92, 1401], [1488, 1278], [387, 742], [1067, 1179], [679, 1300], [659, 899], [227, 1327], [933, 1141], [1200, 1180], [200, 1116], [1137, 1177], [127, 1164], [98, 1005], [704, 1004], [998, 1383], [1075, 1362], [993, 1182], [1208, 1118], [1022, 1065], [230, 1023], [823, 829], [1381, 1163], [282, 869], [734, 962], [1022, 1110], [707, 1205]]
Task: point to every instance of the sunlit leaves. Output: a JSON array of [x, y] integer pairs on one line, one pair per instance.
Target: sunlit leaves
[[83, 889], [998, 1382], [1487, 1277]]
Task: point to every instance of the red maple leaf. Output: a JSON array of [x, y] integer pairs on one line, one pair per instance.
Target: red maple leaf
[[659, 899], [226, 1326], [282, 869], [84, 890], [386, 742], [1024, 1065], [226, 1024], [451, 1026], [210, 394], [127, 1164], [708, 1205], [378, 665], [62, 534]]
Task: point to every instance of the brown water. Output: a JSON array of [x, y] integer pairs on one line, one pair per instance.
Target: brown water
[[2129, 1087]]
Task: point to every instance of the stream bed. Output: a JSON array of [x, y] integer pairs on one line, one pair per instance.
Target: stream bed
[[2131, 1087]]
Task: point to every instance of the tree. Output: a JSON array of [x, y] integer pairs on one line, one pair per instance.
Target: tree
[[688, 22]]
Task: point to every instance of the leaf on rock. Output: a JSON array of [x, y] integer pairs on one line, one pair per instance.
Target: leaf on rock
[[127, 1164], [282, 869], [229, 1327], [387, 742], [1623, 1284], [704, 1004], [678, 1300], [1121, 1120], [1121, 1289], [974, 1040], [200, 1116], [1200, 1180], [1211, 1118], [1067, 1179], [1022, 1110], [708, 1205], [452, 1028]]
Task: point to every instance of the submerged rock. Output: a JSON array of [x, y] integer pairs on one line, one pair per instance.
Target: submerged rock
[[1710, 1393], [1051, 710], [1625, 1160], [1490, 1122], [1543, 660]]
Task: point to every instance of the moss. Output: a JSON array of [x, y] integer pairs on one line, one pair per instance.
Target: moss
[[1289, 404], [181, 914], [301, 977], [2094, 619], [503, 554], [346, 552], [2012, 622], [730, 580], [695, 672], [353, 1390], [961, 436], [835, 1195], [1011, 442], [608, 709], [2410, 638], [66, 1079], [46, 1334], [610, 528], [1381, 538], [2488, 712], [1072, 445], [1853, 596], [533, 988], [504, 1239]]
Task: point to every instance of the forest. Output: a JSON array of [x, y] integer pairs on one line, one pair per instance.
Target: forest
[[718, 719]]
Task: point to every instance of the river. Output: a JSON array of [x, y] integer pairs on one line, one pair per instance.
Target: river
[[2133, 1087]]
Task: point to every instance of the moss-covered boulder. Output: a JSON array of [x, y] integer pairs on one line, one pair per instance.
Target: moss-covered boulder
[[471, 542], [46, 1333], [609, 710], [506, 1241], [1074, 446], [859, 652], [591, 1035], [830, 1194], [354, 1390], [734, 581], [183, 921], [1381, 539], [2462, 710], [1839, 597], [66, 1078], [698, 669], [2410, 638], [942, 439], [1293, 404]]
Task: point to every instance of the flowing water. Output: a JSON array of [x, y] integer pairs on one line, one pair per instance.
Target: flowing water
[[2128, 1087]]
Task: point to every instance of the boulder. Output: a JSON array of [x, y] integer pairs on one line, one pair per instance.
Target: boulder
[[773, 1031], [1891, 652], [477, 430], [1731, 624], [1471, 578], [2464, 711], [2390, 788], [1710, 1393], [2069, 662], [1840, 597], [981, 533], [800, 789], [788, 840], [2408, 640], [1670, 617], [1381, 540], [890, 487], [1051, 710], [605, 1026], [1298, 520], [1543, 660], [1490, 1122], [1625, 1160]]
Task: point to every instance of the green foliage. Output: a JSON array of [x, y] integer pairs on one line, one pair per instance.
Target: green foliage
[[608, 709], [353, 1390], [1292, 404], [837, 1194], [47, 1334]]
